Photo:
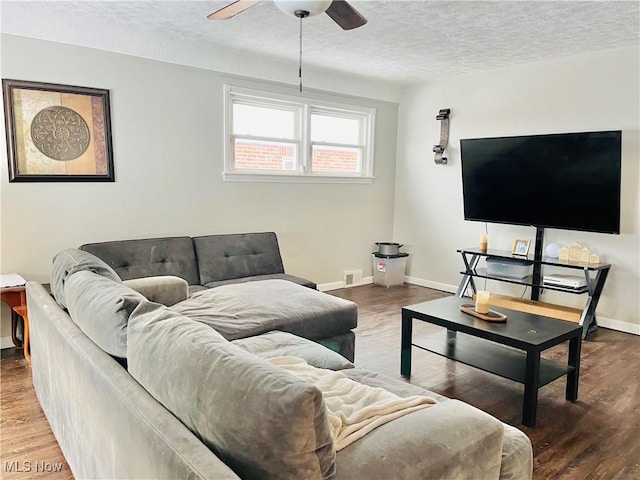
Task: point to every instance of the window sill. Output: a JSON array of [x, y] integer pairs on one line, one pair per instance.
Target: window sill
[[275, 178]]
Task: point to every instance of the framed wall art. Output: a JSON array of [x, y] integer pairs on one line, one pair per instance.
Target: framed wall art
[[57, 133]]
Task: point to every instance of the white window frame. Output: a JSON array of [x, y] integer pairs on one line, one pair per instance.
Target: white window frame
[[303, 108]]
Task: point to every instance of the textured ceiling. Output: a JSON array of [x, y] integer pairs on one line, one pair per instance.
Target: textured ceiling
[[404, 41]]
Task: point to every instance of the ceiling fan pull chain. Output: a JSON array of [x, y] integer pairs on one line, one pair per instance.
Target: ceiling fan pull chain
[[300, 56]]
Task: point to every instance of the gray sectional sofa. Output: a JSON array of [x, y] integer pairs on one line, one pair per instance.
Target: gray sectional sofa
[[186, 402], [214, 261]]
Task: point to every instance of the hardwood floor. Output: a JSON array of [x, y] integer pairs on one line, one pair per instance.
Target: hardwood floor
[[597, 437], [28, 448]]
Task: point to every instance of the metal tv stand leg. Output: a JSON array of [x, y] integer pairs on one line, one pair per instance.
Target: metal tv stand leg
[[468, 275]]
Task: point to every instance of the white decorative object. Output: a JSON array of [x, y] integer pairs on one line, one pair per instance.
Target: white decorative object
[[575, 252], [584, 255], [482, 301], [484, 242], [313, 7], [594, 259], [11, 280], [553, 250]]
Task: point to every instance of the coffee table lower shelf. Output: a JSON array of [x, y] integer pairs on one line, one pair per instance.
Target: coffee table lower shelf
[[488, 356]]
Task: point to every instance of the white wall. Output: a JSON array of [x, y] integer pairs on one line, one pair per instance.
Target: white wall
[[168, 146], [583, 93]]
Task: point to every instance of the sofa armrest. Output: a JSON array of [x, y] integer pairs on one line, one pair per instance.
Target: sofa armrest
[[166, 289], [448, 440]]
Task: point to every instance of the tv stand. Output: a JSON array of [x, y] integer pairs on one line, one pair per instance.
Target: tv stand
[[595, 277], [537, 267]]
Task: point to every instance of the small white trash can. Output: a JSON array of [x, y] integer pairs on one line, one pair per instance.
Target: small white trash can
[[388, 270]]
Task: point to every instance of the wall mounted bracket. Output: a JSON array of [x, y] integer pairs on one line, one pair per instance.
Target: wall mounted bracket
[[443, 116]]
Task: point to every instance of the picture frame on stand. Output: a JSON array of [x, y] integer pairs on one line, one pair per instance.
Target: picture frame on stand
[[521, 247]]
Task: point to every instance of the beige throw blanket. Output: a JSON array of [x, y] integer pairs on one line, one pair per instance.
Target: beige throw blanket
[[354, 409]]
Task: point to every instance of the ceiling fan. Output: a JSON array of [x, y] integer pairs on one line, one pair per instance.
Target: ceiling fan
[[339, 10]]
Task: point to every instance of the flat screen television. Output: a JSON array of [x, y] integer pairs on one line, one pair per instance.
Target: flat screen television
[[567, 181]]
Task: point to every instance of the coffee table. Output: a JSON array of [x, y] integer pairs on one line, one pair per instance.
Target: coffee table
[[511, 349]]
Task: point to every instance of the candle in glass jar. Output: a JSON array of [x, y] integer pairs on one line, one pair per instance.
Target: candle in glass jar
[[482, 301]]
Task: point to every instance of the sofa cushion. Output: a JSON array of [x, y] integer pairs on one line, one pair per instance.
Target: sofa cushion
[[247, 309], [277, 344], [462, 441], [70, 261], [101, 307], [450, 440], [225, 257], [260, 420], [166, 289], [354, 409], [149, 257], [399, 387], [278, 276]]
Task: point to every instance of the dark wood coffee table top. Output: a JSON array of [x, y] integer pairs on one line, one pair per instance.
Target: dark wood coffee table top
[[521, 330]]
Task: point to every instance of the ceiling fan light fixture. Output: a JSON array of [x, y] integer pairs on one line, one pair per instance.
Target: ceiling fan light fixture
[[314, 7]]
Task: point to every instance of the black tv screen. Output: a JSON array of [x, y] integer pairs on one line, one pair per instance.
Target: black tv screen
[[567, 181]]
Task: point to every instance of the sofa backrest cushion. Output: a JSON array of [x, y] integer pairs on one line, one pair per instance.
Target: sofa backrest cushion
[[101, 307], [149, 257], [260, 420], [278, 344], [70, 261], [224, 257]]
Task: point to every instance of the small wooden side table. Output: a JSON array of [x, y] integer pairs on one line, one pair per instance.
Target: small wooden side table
[[16, 298]]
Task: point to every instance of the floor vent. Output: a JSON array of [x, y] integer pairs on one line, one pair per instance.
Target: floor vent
[[351, 278]]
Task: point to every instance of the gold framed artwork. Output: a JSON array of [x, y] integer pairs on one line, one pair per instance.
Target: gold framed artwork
[[57, 133], [521, 247]]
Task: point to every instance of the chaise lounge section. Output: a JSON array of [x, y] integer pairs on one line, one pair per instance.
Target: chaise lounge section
[[236, 310], [224, 260]]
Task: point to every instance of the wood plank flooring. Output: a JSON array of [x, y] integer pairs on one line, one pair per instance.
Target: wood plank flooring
[[597, 437], [28, 448]]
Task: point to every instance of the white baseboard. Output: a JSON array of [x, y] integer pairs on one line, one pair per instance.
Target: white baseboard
[[618, 325], [325, 287], [6, 342], [444, 287]]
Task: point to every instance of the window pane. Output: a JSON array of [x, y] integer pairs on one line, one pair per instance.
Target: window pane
[[276, 137], [257, 155], [327, 128], [263, 121], [336, 160]]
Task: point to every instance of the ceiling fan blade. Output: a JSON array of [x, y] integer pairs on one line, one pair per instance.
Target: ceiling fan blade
[[345, 15], [233, 9]]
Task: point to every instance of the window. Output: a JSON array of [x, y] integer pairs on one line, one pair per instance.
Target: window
[[271, 137]]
